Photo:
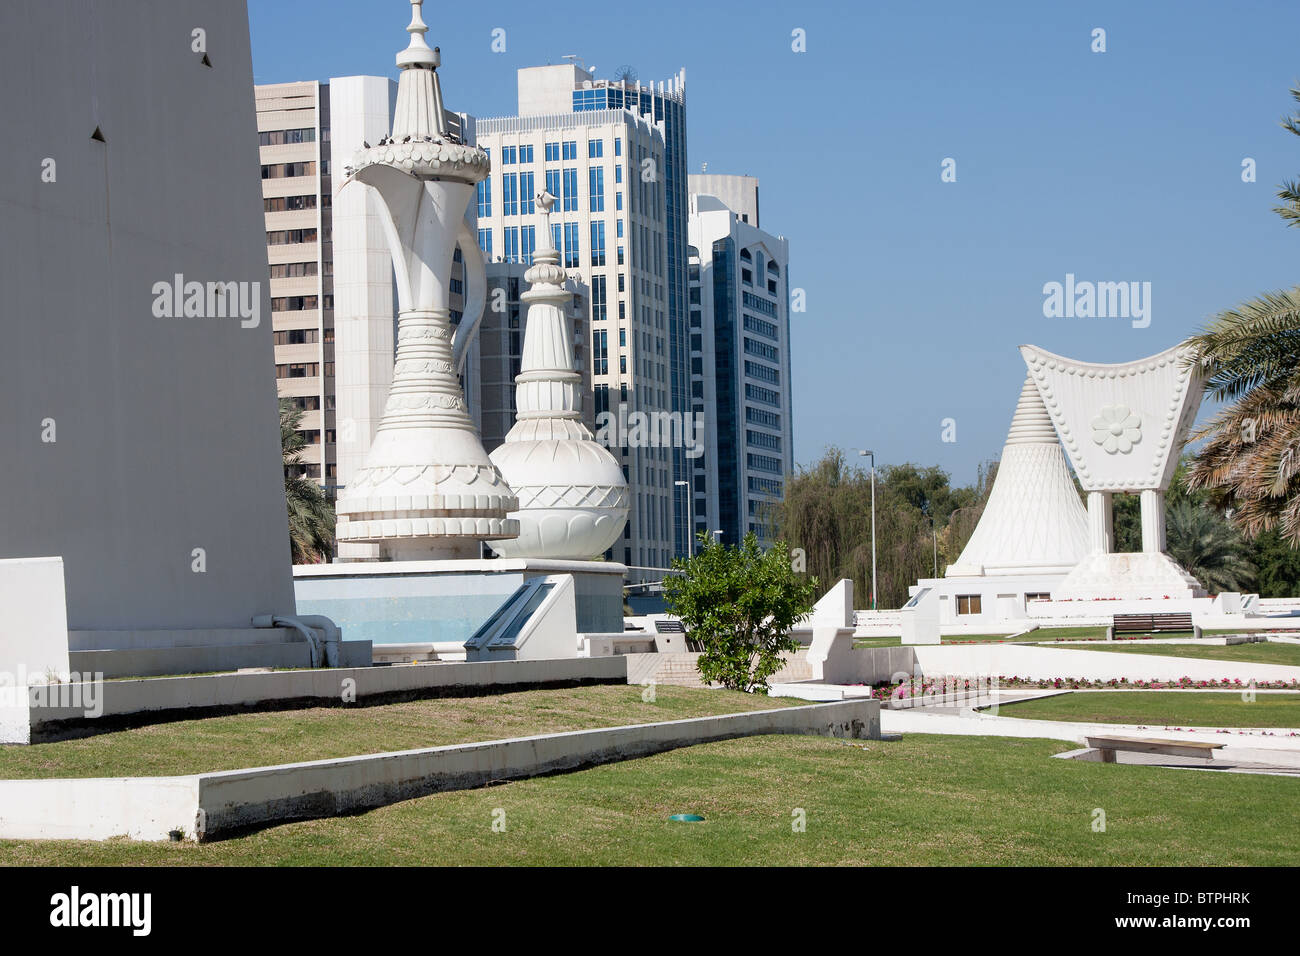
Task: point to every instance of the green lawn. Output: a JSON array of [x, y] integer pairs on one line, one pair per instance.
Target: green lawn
[[1253, 653], [1171, 708], [922, 800], [1067, 634], [258, 739]]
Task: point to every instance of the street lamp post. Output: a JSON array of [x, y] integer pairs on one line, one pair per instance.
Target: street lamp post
[[872, 454], [690, 537]]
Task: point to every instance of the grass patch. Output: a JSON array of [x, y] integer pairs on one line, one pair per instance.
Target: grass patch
[[1067, 634], [1173, 708], [258, 739], [925, 800], [1252, 653]]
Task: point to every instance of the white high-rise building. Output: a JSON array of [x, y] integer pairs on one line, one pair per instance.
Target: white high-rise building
[[613, 154], [739, 358]]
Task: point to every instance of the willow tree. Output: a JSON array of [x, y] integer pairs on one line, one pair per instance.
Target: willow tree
[[827, 514]]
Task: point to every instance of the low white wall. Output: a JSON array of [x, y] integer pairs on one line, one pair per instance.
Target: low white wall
[[1045, 662], [123, 697], [208, 805], [33, 620], [142, 808]]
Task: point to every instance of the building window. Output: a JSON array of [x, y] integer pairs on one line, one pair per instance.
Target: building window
[[570, 149], [600, 352], [279, 137], [511, 249], [597, 243], [552, 152], [599, 306], [1037, 596], [286, 170], [485, 198], [508, 155], [510, 194], [763, 373], [570, 245], [293, 270], [525, 154], [485, 241], [571, 190], [757, 393], [618, 146], [284, 237], [526, 194], [596, 189], [968, 604], [288, 203], [527, 243]]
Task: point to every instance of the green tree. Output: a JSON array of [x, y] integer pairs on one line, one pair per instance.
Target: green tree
[[1252, 358], [1278, 564], [1206, 545], [741, 604], [311, 515]]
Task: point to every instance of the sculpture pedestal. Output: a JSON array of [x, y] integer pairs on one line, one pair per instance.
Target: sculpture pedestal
[[1128, 575]]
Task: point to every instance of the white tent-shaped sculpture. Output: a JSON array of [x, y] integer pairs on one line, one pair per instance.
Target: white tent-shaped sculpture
[[1034, 522]]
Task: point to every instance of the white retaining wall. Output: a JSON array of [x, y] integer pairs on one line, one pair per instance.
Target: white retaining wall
[[204, 806], [23, 723]]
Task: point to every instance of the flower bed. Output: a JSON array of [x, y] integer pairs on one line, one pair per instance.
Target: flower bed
[[1182, 683]]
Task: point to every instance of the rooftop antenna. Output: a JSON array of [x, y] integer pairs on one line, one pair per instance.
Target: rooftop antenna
[[626, 74], [575, 60]]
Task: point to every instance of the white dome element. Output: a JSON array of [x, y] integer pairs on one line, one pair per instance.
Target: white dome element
[[558, 517], [1034, 521], [573, 498]]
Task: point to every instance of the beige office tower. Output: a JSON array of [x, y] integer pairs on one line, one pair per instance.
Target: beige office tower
[[293, 136]]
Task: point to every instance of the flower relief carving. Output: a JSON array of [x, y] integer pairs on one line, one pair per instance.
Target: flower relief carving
[[1117, 429]]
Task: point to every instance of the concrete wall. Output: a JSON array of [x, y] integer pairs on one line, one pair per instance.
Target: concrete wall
[[166, 431], [173, 697], [33, 620], [209, 805], [1045, 662]]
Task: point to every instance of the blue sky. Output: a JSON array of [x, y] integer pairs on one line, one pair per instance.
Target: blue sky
[[1115, 166]]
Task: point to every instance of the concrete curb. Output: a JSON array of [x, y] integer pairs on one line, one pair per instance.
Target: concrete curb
[[210, 805]]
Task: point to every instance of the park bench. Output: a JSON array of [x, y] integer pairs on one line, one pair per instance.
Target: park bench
[[1171, 623], [1109, 746]]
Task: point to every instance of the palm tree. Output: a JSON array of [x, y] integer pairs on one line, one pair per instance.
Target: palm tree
[[311, 516], [1212, 551], [1252, 358]]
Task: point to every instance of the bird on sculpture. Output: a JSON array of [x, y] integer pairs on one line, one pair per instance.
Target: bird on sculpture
[[406, 139]]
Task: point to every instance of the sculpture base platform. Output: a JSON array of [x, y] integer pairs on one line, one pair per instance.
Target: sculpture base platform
[[1127, 575], [444, 602]]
